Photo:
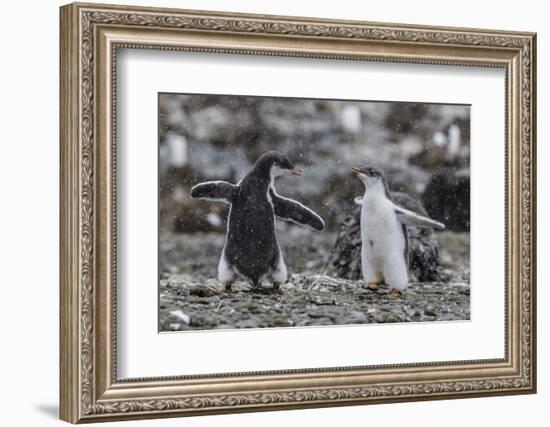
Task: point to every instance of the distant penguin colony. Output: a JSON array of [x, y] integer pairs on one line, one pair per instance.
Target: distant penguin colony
[[251, 248], [384, 237]]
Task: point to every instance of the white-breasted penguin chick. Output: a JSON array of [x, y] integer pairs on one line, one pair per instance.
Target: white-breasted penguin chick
[[251, 248], [384, 237]]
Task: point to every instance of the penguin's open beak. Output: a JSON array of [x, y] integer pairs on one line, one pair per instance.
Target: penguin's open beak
[[357, 170], [295, 171]]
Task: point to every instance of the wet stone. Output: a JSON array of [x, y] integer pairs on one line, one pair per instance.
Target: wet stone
[[430, 310], [323, 300], [379, 316], [203, 321]]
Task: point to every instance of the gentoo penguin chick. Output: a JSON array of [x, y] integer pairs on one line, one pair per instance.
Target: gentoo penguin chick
[[251, 248], [385, 246]]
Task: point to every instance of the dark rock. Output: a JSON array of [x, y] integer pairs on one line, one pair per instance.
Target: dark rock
[[183, 285], [380, 316], [345, 260], [424, 263], [392, 318], [203, 321], [322, 300], [430, 310], [447, 198]]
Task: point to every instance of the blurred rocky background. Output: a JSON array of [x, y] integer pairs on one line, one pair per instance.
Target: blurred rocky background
[[423, 148]]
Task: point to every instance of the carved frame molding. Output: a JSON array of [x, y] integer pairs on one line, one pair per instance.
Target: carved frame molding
[[90, 37]]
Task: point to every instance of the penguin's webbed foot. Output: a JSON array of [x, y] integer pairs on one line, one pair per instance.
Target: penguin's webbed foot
[[276, 288], [394, 293], [373, 286]]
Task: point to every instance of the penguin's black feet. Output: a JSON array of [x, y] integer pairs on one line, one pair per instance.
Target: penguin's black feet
[[372, 286], [227, 287]]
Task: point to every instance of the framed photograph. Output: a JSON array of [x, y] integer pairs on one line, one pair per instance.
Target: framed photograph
[[267, 212]]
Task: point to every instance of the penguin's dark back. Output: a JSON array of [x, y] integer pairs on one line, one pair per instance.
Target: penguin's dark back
[[251, 242]]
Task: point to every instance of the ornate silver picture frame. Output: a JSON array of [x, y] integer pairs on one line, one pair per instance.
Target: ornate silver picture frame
[[91, 36]]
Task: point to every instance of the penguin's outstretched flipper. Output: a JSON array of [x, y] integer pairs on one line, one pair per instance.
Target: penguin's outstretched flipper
[[293, 211], [408, 217], [219, 191]]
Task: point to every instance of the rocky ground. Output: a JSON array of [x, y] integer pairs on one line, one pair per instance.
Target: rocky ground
[[191, 298]]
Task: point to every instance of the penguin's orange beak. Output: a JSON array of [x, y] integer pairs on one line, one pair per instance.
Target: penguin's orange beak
[[295, 171], [357, 170]]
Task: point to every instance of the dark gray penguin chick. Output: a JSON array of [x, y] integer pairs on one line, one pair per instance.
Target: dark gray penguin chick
[[251, 248], [385, 245]]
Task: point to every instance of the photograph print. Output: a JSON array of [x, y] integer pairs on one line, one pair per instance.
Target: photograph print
[[286, 212]]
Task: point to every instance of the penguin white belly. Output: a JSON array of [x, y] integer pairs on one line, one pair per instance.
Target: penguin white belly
[[383, 244]]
